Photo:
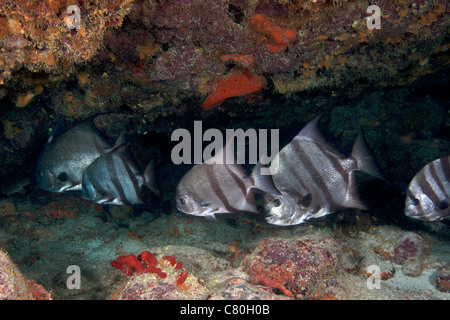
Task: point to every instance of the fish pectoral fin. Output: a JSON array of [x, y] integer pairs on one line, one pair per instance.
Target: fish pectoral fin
[[211, 218], [204, 204], [74, 186]]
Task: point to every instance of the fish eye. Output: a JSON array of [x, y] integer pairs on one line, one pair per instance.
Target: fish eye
[[276, 202], [181, 201], [442, 205], [63, 177], [415, 201]]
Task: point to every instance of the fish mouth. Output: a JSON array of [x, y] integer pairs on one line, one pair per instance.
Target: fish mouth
[[416, 215], [178, 207], [208, 212], [413, 214], [72, 188], [198, 212], [409, 213], [425, 216], [292, 219], [276, 220]]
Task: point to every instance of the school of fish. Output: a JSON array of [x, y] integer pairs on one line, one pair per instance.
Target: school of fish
[[81, 160], [313, 179]]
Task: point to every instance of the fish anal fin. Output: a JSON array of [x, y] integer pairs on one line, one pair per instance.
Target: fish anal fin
[[211, 218], [150, 179], [352, 197]]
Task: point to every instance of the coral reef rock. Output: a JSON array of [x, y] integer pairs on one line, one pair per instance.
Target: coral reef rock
[[409, 252], [443, 279], [154, 279], [299, 266], [13, 285], [52, 37]]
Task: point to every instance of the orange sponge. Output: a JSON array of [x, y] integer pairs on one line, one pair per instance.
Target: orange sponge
[[236, 83], [277, 38]]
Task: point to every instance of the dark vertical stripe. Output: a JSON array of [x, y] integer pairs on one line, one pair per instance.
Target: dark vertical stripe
[[437, 180], [216, 187], [445, 165], [420, 209], [307, 177], [424, 184], [409, 194], [131, 175], [238, 180], [337, 167], [317, 176], [114, 179], [294, 172], [98, 147]]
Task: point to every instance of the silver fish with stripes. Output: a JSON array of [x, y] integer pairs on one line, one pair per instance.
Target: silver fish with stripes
[[315, 179], [66, 156], [428, 195], [114, 178], [217, 187]]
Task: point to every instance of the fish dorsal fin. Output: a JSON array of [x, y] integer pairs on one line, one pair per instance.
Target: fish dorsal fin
[[121, 141], [365, 160], [61, 125], [351, 195], [123, 148], [263, 182], [224, 155], [249, 205], [57, 129], [311, 132]]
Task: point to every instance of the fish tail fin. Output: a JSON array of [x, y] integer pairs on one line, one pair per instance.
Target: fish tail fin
[[263, 182], [150, 179], [365, 160]]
